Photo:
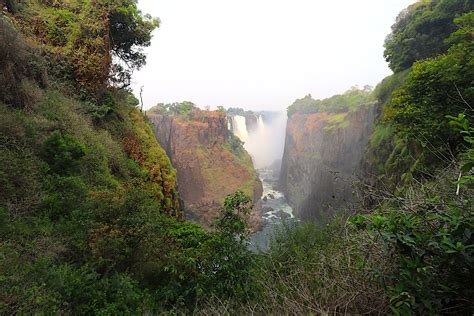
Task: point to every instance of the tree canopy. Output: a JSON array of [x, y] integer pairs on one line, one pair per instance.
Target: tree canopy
[[176, 108], [421, 31], [349, 100]]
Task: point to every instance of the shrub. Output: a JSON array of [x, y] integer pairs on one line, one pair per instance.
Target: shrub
[[432, 250], [428, 234], [319, 269], [63, 195], [20, 174], [62, 152], [235, 144], [19, 69]]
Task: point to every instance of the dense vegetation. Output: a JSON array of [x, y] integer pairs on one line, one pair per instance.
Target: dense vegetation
[[421, 155], [351, 100], [418, 197], [90, 219], [178, 108], [237, 111], [414, 138], [421, 30]]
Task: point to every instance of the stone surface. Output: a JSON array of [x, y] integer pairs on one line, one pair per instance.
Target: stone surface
[[323, 152], [207, 169]]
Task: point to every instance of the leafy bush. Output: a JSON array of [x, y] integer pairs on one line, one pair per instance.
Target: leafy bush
[[20, 71], [310, 269], [428, 234], [383, 91], [63, 195], [430, 242], [63, 153], [236, 111], [235, 144], [20, 174], [96, 43], [461, 123], [415, 110], [59, 25]]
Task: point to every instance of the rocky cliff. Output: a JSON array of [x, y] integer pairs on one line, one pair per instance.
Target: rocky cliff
[[208, 167], [323, 151]]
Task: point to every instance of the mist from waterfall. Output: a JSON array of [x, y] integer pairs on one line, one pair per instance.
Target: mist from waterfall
[[265, 142]]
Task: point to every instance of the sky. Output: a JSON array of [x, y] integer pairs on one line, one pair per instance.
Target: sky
[[263, 54]]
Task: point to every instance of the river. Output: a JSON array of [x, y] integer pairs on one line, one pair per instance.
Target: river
[[275, 211]]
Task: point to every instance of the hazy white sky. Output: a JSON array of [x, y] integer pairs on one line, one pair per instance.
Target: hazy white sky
[[263, 54]]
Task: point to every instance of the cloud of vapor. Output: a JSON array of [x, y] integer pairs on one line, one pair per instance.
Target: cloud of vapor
[[266, 143]]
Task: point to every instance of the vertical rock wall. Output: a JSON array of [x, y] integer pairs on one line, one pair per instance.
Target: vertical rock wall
[[323, 153], [207, 168]]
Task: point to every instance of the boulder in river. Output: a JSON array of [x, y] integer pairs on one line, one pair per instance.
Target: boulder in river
[[270, 196], [282, 214], [267, 209]]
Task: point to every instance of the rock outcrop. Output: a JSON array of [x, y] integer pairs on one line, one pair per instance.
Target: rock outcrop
[[323, 151], [208, 168]]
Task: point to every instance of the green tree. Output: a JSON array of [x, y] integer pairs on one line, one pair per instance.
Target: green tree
[[435, 88], [231, 220], [230, 269], [130, 31], [421, 31]]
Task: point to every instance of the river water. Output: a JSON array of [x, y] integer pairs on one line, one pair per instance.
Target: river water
[[276, 211]]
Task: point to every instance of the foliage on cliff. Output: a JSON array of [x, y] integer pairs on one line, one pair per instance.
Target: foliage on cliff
[[421, 30], [90, 220], [427, 234], [421, 154], [89, 44], [414, 137], [418, 217], [89, 210], [238, 111], [348, 101], [178, 108]]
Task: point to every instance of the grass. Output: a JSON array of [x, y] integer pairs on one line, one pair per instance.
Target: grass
[[337, 121]]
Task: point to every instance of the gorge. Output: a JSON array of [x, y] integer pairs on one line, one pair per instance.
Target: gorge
[[308, 164], [322, 160], [360, 203], [316, 155]]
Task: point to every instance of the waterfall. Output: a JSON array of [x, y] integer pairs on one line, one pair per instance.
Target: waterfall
[[263, 140], [239, 127], [260, 124]]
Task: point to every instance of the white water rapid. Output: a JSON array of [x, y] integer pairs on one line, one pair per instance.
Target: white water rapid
[[275, 209]]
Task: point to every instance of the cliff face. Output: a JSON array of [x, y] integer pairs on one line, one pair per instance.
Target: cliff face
[[207, 167], [322, 152]]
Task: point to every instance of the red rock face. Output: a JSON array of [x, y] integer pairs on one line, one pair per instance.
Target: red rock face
[[322, 157], [207, 169]]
